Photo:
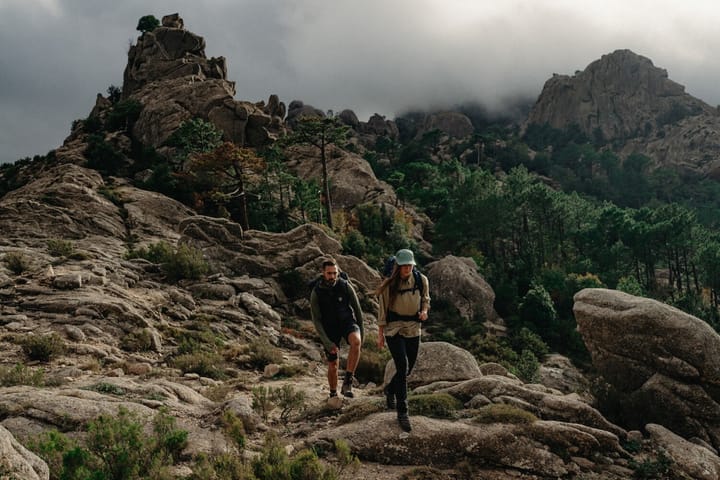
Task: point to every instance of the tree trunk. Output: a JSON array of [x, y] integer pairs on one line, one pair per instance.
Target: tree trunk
[[326, 186]]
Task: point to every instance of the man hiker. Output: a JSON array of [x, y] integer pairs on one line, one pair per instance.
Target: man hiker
[[337, 315]]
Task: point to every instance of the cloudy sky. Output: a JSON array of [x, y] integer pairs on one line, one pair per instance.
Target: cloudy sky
[[372, 56]]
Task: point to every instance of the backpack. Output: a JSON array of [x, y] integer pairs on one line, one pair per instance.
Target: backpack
[[390, 265]]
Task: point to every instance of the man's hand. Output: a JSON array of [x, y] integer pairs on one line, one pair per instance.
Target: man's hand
[[423, 315], [334, 350]]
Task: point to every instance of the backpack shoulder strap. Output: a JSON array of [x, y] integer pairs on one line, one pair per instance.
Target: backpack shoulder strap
[[418, 282]]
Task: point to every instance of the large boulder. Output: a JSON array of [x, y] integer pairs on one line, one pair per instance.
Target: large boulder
[[545, 449], [453, 124], [664, 361], [437, 362], [457, 281], [17, 461]]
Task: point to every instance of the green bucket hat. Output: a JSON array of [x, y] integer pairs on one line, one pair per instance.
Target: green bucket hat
[[405, 257]]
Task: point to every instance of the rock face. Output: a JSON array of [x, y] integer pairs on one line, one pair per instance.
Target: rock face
[[18, 462], [456, 280], [169, 74], [453, 124], [663, 360], [623, 98]]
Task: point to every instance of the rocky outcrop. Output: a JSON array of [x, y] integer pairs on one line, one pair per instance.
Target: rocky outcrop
[[624, 99], [453, 124], [457, 281], [438, 362], [661, 359], [16, 461], [169, 74]]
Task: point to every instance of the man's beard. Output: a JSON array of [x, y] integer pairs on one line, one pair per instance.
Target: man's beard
[[328, 283]]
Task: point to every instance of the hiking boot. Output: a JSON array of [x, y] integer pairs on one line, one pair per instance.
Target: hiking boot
[[404, 422], [346, 388], [389, 398]]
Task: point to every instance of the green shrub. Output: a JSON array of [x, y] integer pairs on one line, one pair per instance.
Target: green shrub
[[43, 347], [503, 413], [102, 156], [115, 448], [262, 353], [652, 468], [527, 366], [288, 400], [16, 262], [105, 387], [186, 262], [137, 341], [21, 375], [359, 410], [262, 402], [60, 248], [205, 364], [234, 428], [438, 405], [123, 115], [176, 264], [147, 23], [293, 370]]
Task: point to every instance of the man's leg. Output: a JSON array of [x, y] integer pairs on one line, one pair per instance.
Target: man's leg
[[332, 375], [353, 339], [355, 343]]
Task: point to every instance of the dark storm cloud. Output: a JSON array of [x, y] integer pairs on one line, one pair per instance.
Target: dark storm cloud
[[371, 56]]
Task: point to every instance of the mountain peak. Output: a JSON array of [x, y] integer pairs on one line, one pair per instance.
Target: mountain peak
[[620, 96]]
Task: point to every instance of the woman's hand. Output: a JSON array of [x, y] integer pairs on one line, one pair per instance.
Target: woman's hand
[[423, 315]]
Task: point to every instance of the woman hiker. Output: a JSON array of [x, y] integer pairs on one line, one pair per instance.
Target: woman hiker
[[404, 304]]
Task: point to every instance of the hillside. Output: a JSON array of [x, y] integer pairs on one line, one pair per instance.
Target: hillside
[[139, 315]]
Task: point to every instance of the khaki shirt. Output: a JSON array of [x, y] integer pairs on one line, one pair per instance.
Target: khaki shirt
[[407, 303]]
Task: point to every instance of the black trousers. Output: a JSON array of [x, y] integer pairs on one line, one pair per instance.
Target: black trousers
[[404, 351]]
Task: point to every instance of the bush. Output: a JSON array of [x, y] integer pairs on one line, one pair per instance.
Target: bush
[[115, 448], [262, 353], [203, 363], [503, 413], [137, 341], [43, 347], [526, 368], [437, 405], [17, 262], [147, 23], [123, 115], [21, 375], [102, 156], [183, 262], [289, 400], [60, 248], [187, 262]]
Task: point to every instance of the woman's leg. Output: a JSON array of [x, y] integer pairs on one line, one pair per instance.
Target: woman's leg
[[396, 345], [412, 347]]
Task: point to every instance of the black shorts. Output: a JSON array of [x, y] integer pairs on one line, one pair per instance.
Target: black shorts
[[353, 327]]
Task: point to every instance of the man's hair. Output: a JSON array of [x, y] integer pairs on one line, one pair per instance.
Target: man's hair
[[329, 262]]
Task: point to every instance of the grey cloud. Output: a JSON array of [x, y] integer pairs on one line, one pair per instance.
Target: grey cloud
[[372, 56]]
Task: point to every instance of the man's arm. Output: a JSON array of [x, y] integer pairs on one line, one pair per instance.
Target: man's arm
[[317, 321], [355, 305]]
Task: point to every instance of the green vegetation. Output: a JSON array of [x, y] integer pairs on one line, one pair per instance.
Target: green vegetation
[[60, 248], [43, 347], [183, 262], [115, 448], [503, 413], [267, 399], [147, 23], [438, 405], [16, 262], [21, 375]]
